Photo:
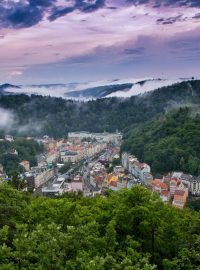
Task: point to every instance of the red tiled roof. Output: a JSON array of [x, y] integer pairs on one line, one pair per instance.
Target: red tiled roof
[[165, 193], [159, 183], [98, 178], [175, 180], [109, 177], [113, 183]]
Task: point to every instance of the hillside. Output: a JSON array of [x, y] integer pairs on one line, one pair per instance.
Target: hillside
[[170, 142], [130, 229], [7, 86], [99, 92], [26, 150], [37, 115]]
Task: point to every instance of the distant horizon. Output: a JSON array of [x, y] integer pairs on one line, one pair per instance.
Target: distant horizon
[[124, 88], [103, 81]]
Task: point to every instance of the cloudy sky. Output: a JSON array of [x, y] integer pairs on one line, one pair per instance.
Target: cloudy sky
[[61, 41]]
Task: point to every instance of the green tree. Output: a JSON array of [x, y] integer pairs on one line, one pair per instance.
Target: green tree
[[17, 182]]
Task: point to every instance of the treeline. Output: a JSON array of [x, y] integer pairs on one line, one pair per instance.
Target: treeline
[[12, 153], [130, 229], [37, 115], [170, 142]]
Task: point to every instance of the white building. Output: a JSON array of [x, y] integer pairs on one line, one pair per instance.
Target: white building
[[69, 156], [55, 188], [195, 186], [136, 168], [193, 183], [105, 137], [77, 183], [38, 176], [9, 138]]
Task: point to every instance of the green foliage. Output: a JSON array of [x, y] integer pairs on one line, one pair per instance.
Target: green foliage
[[171, 142], [56, 117], [65, 168], [17, 182], [130, 229], [13, 206], [116, 162], [194, 204], [27, 150]]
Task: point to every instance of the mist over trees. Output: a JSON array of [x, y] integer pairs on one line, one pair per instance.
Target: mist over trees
[[159, 142], [37, 115]]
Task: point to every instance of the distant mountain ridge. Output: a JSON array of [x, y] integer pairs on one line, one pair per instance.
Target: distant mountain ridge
[[99, 91], [91, 90], [7, 86]]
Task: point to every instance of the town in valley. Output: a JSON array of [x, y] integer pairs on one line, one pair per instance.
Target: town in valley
[[92, 164]]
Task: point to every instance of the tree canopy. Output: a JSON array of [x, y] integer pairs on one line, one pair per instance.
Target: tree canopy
[[170, 142], [37, 115], [130, 229], [25, 150]]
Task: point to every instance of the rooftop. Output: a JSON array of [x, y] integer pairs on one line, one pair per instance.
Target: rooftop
[[158, 183]]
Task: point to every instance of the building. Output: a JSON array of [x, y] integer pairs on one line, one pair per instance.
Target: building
[[69, 156], [193, 183], [38, 176], [180, 197], [158, 186], [173, 185], [100, 137], [165, 196], [118, 169], [25, 164], [77, 183], [125, 160], [9, 138], [184, 187], [195, 186], [54, 189], [136, 168], [146, 178]]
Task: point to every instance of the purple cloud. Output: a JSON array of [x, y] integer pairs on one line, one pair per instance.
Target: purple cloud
[[197, 16], [171, 20], [167, 3], [24, 14], [97, 38]]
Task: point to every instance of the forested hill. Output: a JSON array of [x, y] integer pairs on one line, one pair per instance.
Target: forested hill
[[130, 229], [37, 115], [171, 142]]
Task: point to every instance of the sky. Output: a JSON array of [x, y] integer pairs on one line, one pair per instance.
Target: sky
[[63, 41]]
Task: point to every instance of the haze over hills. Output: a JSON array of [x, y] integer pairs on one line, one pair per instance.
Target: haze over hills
[[38, 115], [7, 89], [91, 90]]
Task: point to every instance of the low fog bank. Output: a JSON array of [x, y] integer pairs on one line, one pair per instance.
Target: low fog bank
[[140, 86], [144, 87], [9, 123], [7, 119]]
